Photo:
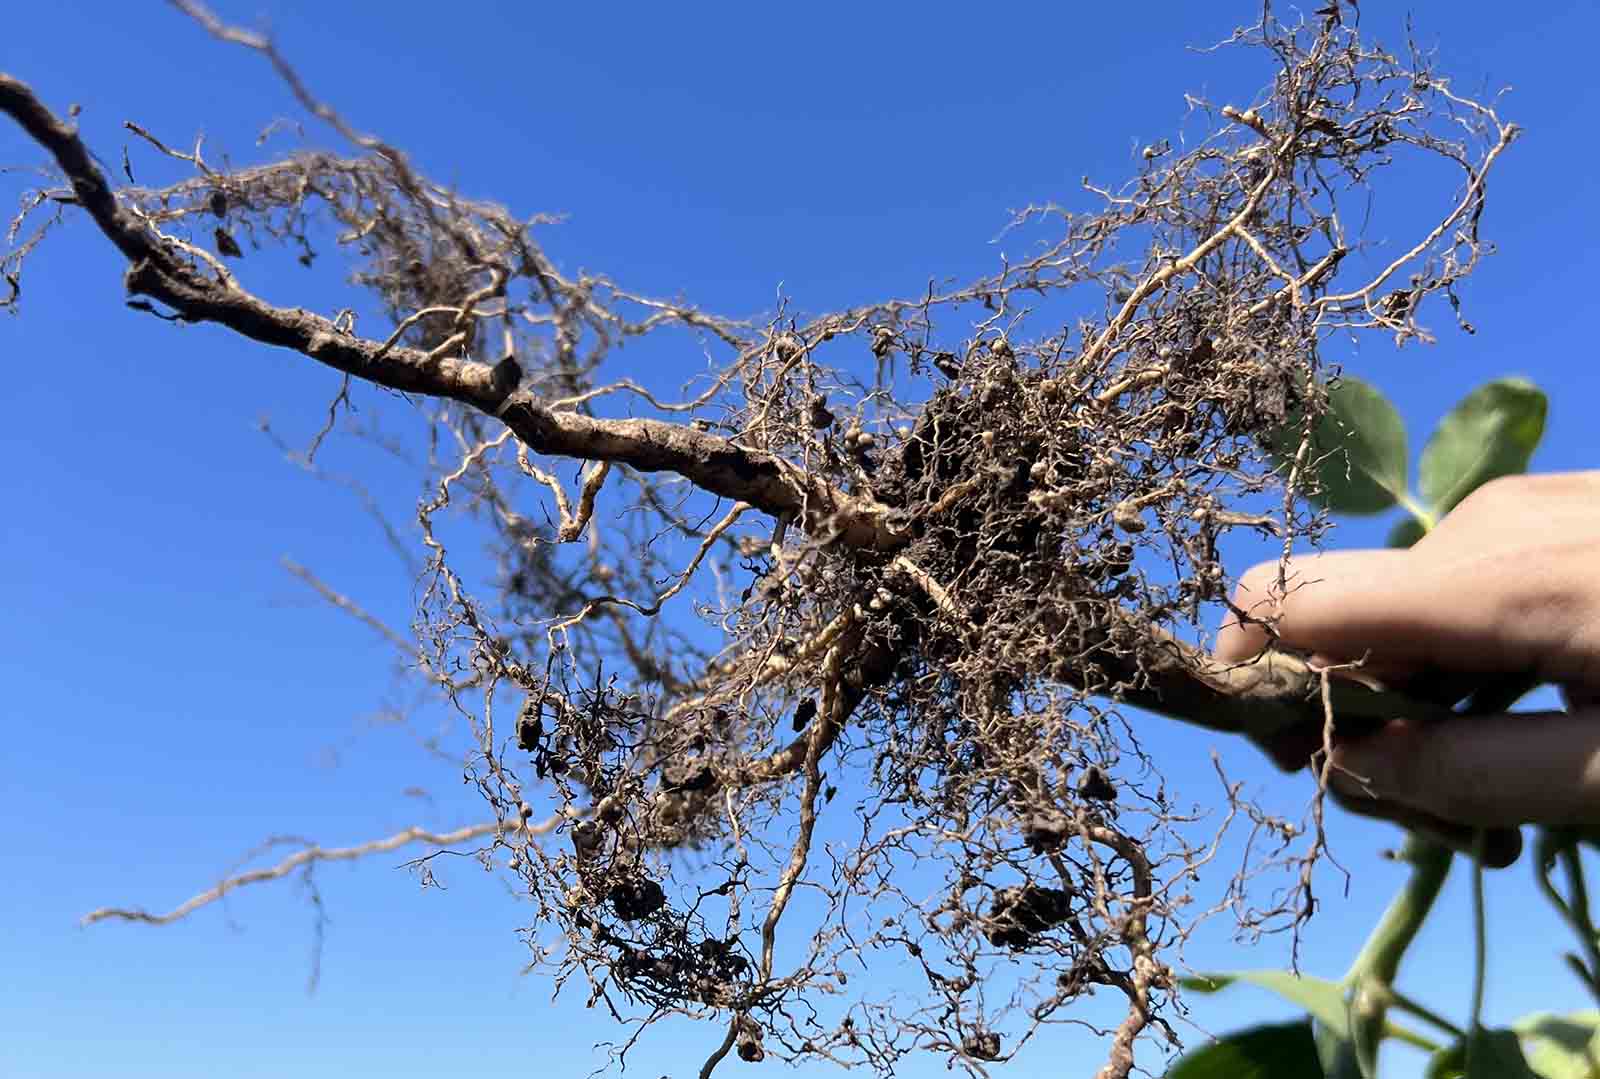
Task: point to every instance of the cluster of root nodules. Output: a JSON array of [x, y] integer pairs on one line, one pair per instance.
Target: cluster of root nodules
[[881, 798], [899, 807], [982, 824]]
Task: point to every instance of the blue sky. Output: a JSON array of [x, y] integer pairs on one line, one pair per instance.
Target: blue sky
[[174, 697]]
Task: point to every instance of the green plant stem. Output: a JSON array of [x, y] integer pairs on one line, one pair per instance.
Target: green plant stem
[[1408, 502], [1480, 935], [1410, 1037], [1403, 1003], [1580, 889], [1480, 951], [1545, 856], [1379, 959], [1372, 975], [1556, 845], [1572, 862]]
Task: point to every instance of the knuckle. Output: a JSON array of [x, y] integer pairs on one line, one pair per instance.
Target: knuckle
[[1522, 488], [1501, 491]]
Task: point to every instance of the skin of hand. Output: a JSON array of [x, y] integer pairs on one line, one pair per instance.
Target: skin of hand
[[1507, 584]]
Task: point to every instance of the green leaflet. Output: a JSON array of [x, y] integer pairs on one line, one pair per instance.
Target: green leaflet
[[1484, 1054], [1492, 432], [1323, 999], [1276, 1051], [1358, 448], [1561, 1046]]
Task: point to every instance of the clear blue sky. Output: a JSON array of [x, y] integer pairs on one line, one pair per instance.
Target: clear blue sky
[[173, 697]]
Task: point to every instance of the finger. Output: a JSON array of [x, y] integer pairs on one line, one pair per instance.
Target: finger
[[1483, 771], [1454, 609], [1263, 594], [1292, 747], [1581, 697], [1291, 750], [1501, 847]]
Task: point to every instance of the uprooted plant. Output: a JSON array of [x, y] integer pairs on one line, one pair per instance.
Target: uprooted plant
[[936, 545]]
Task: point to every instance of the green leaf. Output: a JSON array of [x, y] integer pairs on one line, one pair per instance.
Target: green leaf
[[1406, 532], [1337, 1054], [1277, 1051], [1483, 1054], [1492, 432], [1497, 1054], [1322, 998], [1326, 1003], [1561, 1046], [1448, 1063], [1359, 447]]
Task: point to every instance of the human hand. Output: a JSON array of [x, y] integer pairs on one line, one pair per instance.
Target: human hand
[[1507, 584]]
